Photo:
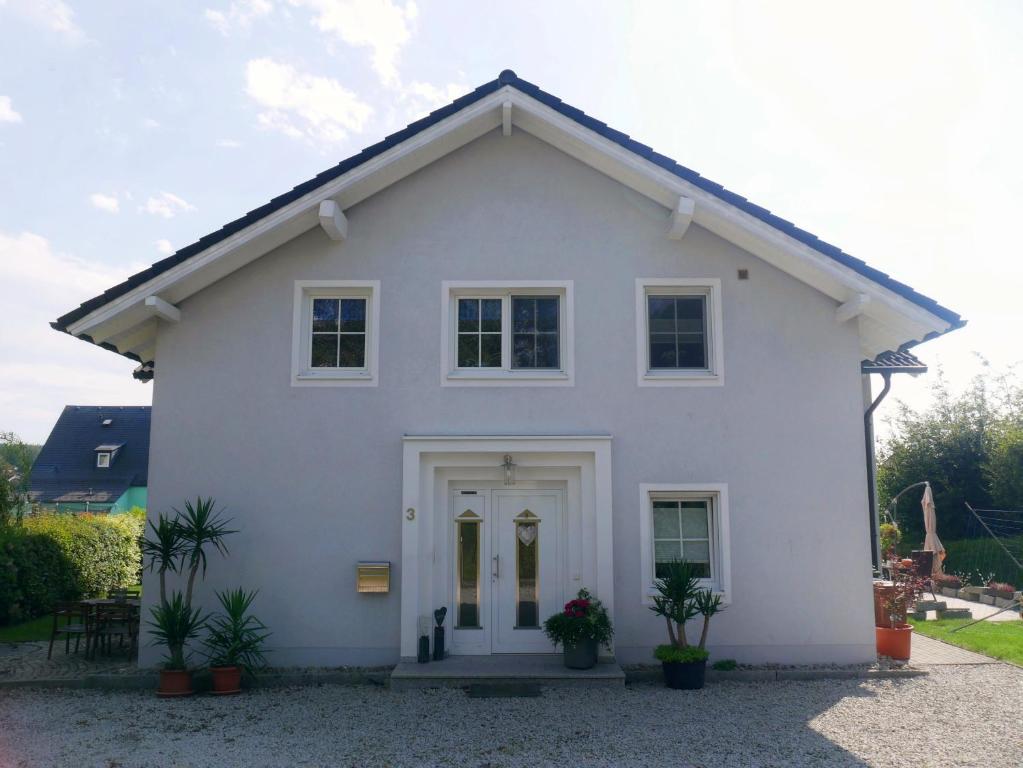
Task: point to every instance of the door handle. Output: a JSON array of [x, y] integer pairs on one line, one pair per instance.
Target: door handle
[[495, 566]]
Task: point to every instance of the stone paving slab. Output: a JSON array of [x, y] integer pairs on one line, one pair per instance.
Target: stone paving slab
[[21, 662]]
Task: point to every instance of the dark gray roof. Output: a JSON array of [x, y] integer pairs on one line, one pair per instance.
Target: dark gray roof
[[66, 471], [894, 362], [509, 78]]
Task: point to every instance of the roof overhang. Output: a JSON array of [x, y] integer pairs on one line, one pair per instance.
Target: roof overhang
[[127, 323]]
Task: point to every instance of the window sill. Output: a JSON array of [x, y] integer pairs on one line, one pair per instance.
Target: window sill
[[726, 598], [334, 379], [505, 378], [672, 378]]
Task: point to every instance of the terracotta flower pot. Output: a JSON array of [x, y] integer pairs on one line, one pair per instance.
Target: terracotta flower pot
[[894, 642], [175, 682], [226, 679]]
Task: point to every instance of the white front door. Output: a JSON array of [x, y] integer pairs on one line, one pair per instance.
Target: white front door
[[508, 570]]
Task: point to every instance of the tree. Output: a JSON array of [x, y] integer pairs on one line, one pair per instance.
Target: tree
[[17, 457], [970, 447]]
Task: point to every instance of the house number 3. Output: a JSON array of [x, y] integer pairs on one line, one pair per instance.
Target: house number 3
[[410, 514]]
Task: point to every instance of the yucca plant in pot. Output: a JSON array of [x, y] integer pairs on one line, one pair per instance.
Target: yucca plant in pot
[[178, 546], [679, 599], [580, 628], [234, 641]]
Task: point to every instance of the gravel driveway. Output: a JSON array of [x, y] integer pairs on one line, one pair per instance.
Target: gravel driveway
[[957, 716]]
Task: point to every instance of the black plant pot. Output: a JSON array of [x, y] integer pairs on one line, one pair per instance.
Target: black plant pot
[[582, 656], [684, 676]]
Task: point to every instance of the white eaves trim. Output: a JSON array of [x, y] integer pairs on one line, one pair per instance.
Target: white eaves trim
[[896, 320]]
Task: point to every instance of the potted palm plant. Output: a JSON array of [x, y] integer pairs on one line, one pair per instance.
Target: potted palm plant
[[235, 641], [679, 598], [178, 545], [580, 628]]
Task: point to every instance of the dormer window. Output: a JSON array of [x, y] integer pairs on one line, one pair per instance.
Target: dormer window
[[106, 454]]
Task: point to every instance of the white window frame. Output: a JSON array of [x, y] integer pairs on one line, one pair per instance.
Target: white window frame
[[506, 376], [100, 456], [720, 558], [714, 374], [302, 373]]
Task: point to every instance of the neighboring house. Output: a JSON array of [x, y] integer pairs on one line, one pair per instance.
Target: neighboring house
[[514, 353], [96, 459]]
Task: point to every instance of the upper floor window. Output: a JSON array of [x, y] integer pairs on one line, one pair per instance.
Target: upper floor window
[[678, 332], [103, 460], [335, 332], [507, 333]]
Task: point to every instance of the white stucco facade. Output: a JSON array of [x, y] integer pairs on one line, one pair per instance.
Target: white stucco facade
[[318, 478]]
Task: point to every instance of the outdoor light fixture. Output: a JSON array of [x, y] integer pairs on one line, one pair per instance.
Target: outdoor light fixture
[[509, 470]]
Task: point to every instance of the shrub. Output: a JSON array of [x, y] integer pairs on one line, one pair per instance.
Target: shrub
[[53, 557], [1000, 586], [948, 580], [676, 655], [584, 618], [725, 665]]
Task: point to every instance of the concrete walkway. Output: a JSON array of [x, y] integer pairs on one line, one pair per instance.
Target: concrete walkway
[[928, 651]]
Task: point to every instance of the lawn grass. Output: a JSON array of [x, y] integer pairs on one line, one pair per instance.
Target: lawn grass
[[34, 629], [999, 639]]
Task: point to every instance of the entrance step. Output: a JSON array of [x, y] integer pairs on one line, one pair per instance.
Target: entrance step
[[532, 669]]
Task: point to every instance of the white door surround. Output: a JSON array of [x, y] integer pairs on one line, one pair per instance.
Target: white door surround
[[577, 468]]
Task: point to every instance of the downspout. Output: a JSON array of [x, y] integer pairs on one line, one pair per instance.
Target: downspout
[[868, 433]]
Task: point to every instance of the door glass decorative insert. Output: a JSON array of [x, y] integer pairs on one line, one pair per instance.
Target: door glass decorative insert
[[527, 550], [468, 614]]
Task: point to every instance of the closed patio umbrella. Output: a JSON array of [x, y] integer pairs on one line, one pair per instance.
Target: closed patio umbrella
[[931, 540]]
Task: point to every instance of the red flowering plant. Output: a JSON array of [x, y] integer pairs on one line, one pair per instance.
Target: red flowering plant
[[583, 619]]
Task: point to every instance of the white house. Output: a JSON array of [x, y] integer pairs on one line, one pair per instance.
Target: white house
[[512, 352]]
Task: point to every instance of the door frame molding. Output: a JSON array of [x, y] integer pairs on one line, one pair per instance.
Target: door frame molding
[[426, 459]]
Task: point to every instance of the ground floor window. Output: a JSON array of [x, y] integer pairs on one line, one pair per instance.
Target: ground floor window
[[685, 522]]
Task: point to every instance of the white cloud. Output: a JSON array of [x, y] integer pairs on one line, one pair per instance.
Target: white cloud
[[43, 370], [167, 205], [229, 143], [420, 98], [54, 15], [381, 25], [149, 122], [239, 15], [103, 202], [7, 112], [305, 106], [164, 247]]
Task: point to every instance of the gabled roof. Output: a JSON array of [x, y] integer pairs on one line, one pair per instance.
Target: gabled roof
[[541, 108], [65, 470]]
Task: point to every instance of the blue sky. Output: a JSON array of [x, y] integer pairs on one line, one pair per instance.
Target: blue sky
[[128, 129]]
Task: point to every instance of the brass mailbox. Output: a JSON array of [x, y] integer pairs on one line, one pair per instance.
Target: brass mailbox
[[373, 577]]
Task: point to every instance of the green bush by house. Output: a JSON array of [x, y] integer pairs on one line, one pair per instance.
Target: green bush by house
[[53, 557]]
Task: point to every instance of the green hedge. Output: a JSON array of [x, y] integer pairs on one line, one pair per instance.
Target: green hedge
[[51, 557]]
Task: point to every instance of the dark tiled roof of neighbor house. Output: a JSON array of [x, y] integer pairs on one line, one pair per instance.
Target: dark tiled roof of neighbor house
[[66, 471], [509, 78]]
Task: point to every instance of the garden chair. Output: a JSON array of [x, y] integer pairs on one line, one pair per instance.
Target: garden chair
[[71, 619], [116, 620]]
